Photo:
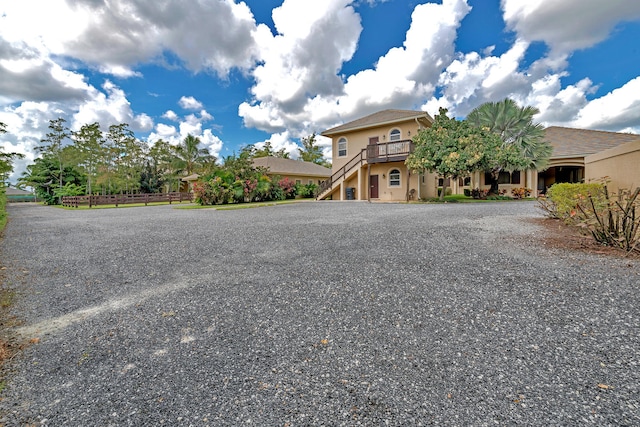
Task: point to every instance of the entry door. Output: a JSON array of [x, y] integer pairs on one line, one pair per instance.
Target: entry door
[[373, 183], [373, 147]]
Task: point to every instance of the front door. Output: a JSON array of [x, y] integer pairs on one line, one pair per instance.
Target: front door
[[373, 184]]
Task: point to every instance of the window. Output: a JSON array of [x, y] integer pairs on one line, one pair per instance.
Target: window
[[504, 178], [310, 182], [394, 178], [394, 135], [298, 182], [464, 182], [342, 147], [442, 181]]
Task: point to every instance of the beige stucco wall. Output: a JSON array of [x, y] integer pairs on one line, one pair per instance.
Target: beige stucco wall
[[620, 164], [304, 179], [358, 140]]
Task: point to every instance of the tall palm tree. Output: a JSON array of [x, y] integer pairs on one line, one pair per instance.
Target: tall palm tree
[[515, 126], [191, 155]]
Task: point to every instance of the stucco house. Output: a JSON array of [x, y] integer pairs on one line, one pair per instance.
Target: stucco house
[[368, 158], [296, 170], [369, 155]]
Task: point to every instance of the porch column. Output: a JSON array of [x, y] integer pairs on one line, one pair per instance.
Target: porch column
[[341, 190], [359, 189], [369, 182]]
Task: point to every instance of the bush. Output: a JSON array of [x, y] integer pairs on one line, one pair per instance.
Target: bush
[[520, 193], [565, 198], [3, 210], [306, 191], [617, 223], [467, 192], [477, 193]]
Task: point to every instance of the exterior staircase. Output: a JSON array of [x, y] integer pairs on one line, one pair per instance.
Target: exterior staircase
[[342, 174]]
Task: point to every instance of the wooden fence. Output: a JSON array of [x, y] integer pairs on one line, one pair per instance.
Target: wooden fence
[[124, 199]]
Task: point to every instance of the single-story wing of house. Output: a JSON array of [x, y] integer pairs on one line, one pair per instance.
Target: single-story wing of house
[[18, 195], [369, 155], [295, 170], [298, 171]]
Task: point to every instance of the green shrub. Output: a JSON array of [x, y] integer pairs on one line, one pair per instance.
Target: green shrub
[[467, 192], [306, 190], [565, 198], [3, 210]]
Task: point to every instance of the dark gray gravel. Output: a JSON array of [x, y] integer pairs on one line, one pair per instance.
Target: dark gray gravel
[[323, 313]]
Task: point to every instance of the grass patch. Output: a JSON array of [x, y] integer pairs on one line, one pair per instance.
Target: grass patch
[[128, 205], [461, 198], [6, 298], [236, 206]]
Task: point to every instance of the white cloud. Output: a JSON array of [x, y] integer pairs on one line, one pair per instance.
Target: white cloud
[[84, 29], [109, 108], [567, 25], [617, 110], [190, 103], [170, 115], [315, 96], [188, 125]]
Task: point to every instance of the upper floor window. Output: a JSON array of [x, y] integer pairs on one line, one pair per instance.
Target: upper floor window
[[394, 135], [394, 178], [342, 147]]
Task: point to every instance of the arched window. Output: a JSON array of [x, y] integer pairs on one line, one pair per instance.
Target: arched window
[[394, 178], [342, 147], [394, 135]]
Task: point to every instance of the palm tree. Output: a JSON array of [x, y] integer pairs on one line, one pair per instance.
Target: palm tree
[[190, 155], [515, 126]]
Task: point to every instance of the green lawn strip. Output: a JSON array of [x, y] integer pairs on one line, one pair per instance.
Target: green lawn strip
[[461, 198], [234, 206], [120, 205]]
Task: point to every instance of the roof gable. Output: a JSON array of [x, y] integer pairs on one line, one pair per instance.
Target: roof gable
[[569, 142], [380, 118]]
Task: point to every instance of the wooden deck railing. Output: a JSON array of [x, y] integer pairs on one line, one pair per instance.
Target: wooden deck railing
[[389, 151], [124, 199]]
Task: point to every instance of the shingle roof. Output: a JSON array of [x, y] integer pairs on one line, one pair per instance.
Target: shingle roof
[[569, 142], [281, 166], [380, 118]]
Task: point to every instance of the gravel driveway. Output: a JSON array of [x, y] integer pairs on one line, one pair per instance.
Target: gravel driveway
[[321, 313]]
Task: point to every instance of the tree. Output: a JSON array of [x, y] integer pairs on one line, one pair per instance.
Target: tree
[[516, 128], [90, 145], [190, 155], [6, 159], [268, 151], [310, 152], [53, 144], [127, 157], [453, 148], [42, 176]]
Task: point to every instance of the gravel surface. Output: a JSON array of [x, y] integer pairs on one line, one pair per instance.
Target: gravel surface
[[321, 313]]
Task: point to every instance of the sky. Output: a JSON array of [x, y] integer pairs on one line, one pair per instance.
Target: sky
[[244, 72]]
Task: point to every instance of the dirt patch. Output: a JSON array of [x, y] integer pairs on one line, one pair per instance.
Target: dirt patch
[[559, 235]]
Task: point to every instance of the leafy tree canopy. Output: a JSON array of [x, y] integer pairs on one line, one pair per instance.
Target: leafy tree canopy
[[453, 148]]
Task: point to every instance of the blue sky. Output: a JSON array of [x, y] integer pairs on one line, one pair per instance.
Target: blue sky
[[236, 73]]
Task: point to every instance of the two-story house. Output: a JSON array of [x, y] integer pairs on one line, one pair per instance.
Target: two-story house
[[368, 158], [369, 155]]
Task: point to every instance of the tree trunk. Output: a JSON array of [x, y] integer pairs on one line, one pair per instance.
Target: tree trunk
[[495, 188], [444, 189]]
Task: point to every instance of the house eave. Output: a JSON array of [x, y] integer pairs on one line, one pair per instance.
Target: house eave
[[331, 132]]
